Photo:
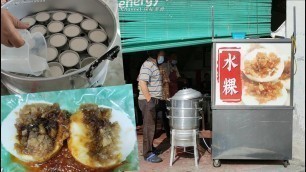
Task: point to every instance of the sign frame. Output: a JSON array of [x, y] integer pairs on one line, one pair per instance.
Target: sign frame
[[248, 41]]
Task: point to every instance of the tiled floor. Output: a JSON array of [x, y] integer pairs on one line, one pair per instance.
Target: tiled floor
[[185, 163]]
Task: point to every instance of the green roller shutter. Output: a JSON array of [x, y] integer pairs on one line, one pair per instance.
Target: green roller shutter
[[155, 24]]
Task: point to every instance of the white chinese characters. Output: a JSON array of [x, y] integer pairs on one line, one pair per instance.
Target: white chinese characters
[[229, 86], [229, 62]]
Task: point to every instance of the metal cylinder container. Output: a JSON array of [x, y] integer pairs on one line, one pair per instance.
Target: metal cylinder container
[[78, 44], [59, 16], [52, 53], [55, 26], [69, 58], [72, 30], [70, 71], [97, 35], [55, 70], [39, 28], [75, 18], [42, 17], [58, 40], [184, 123], [29, 20], [96, 50], [89, 24], [97, 10], [87, 61], [184, 110]]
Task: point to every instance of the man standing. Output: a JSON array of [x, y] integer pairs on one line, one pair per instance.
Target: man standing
[[150, 83]]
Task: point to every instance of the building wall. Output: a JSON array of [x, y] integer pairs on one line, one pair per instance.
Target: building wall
[[299, 82]]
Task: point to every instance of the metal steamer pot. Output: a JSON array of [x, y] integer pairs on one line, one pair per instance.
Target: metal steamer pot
[[185, 110], [82, 78]]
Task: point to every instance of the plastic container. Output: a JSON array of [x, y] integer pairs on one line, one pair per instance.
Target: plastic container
[[28, 59], [238, 35]]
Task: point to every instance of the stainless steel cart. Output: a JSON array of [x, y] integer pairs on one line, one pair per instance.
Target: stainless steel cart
[[244, 131]]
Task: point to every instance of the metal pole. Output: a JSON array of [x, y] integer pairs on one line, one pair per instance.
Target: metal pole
[[294, 31], [294, 21], [212, 23], [257, 17]]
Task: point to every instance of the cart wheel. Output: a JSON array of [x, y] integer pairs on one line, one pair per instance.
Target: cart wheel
[[286, 163], [216, 163]]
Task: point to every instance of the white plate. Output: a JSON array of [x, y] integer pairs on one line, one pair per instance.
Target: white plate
[[78, 137], [9, 131]]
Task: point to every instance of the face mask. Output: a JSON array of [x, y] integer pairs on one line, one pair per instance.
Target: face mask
[[174, 62], [160, 59]]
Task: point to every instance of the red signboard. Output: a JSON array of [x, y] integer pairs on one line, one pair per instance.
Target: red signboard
[[230, 74]]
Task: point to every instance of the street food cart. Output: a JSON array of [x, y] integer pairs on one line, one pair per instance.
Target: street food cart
[[252, 100]]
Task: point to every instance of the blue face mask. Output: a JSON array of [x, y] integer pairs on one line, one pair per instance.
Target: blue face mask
[[174, 62], [160, 59]]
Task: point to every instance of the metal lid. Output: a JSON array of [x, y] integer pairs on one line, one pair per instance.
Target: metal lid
[[59, 16], [51, 53], [72, 30], [39, 28], [89, 24], [55, 26], [187, 94], [75, 18], [78, 44], [96, 50], [42, 16], [57, 40], [29, 20], [69, 58], [97, 35]]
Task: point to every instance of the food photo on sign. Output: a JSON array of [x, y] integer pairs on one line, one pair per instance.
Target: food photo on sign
[[253, 74], [73, 130]]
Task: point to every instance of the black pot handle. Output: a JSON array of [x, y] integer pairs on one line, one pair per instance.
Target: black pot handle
[[110, 55]]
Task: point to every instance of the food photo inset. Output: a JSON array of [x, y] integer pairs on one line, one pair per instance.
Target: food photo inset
[[253, 74], [265, 71], [68, 132]]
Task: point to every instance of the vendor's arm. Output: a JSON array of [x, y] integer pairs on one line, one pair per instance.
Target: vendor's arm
[[145, 90], [9, 33]]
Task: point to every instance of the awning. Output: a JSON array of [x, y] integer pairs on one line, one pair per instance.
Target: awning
[[156, 24]]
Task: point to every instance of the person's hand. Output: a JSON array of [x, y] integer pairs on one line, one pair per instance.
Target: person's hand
[[148, 98], [3, 2], [9, 33]]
